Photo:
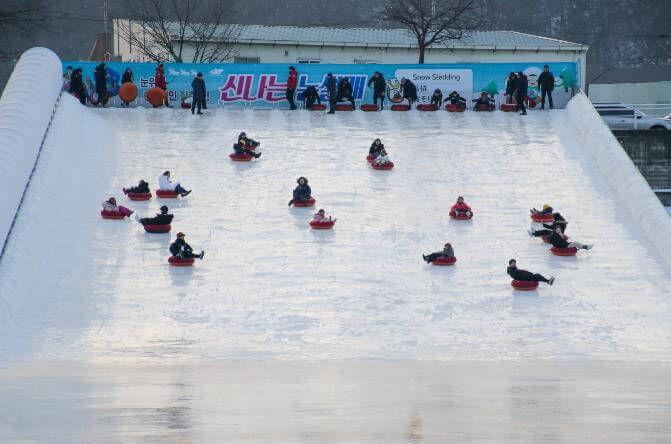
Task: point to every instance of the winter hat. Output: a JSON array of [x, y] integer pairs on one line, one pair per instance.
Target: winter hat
[[112, 200], [321, 210], [511, 261], [299, 180], [200, 74], [180, 234], [447, 245], [460, 197], [164, 209], [166, 173], [545, 207]]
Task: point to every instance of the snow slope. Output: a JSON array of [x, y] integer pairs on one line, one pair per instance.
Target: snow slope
[[75, 286]]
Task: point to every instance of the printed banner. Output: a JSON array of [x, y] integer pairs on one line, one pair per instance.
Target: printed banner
[[264, 85]]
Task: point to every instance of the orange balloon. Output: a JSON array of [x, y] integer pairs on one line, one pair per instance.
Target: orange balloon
[[128, 92], [155, 96]]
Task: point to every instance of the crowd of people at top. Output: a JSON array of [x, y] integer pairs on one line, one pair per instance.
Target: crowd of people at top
[[516, 90]]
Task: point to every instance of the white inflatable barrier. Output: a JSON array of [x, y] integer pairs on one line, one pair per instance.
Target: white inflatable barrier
[[622, 174], [26, 108]]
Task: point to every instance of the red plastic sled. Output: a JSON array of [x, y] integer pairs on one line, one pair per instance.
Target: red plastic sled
[[166, 194], [384, 166], [563, 251], [244, 157], [427, 107], [305, 203], [179, 262], [481, 107], [369, 107], [454, 108], [508, 107], [369, 158], [444, 261], [400, 107], [139, 196], [539, 217], [344, 107], [524, 285], [157, 228], [111, 215], [546, 238], [460, 216], [323, 225], [317, 107]]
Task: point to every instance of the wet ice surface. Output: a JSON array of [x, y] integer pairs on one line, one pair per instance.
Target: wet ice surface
[[368, 401], [81, 289]]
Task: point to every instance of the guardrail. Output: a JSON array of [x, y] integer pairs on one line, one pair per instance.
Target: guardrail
[[660, 110]]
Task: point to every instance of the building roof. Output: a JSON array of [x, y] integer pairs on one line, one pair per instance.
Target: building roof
[[396, 38], [378, 37], [634, 75]]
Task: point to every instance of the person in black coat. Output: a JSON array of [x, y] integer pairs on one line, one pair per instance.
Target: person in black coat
[[101, 76], [142, 187], [311, 96], [521, 92], [557, 240], [345, 91], [409, 91], [446, 252], [375, 148], [77, 86], [199, 92], [437, 98], [163, 218], [455, 99], [127, 76], [379, 87], [484, 101], [245, 145], [511, 86], [302, 192], [331, 90], [182, 250], [524, 275], [547, 83]]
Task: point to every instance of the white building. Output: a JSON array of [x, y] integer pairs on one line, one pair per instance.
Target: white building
[[651, 85], [293, 44]]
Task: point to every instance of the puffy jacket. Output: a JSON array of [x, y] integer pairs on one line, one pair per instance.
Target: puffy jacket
[[302, 192], [522, 87], [459, 207], [379, 160], [198, 86], [110, 207], [379, 84], [345, 88], [456, 100], [331, 87], [160, 79], [375, 149], [160, 219], [558, 240], [511, 86], [409, 90], [180, 247], [520, 275], [292, 81], [165, 184], [546, 81]]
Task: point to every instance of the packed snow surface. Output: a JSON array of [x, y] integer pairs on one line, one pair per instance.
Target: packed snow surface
[[76, 287]]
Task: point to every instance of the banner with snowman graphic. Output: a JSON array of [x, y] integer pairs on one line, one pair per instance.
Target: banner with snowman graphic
[[264, 85]]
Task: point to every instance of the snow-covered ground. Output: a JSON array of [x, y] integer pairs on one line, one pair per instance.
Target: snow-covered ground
[[77, 288]]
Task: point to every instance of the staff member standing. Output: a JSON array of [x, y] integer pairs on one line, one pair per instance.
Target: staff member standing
[[521, 92], [198, 99], [332, 92], [547, 83], [292, 81]]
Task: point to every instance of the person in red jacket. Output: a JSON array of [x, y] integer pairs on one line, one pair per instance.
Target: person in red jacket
[[461, 208], [292, 81], [161, 83]]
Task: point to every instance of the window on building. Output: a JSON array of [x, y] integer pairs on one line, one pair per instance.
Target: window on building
[[309, 61], [247, 60], [365, 61]]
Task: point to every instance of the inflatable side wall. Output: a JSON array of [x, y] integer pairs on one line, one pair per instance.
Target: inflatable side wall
[[622, 174], [26, 108]]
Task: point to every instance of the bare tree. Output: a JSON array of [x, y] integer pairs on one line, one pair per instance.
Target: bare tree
[[163, 29], [435, 21]]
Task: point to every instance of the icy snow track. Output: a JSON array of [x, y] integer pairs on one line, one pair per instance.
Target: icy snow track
[[75, 286]]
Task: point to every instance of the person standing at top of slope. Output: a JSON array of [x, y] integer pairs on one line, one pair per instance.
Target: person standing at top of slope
[[331, 89], [557, 240], [547, 83], [409, 91], [199, 91], [163, 218], [524, 275], [379, 88], [292, 82], [101, 77], [182, 250], [461, 208], [165, 184], [511, 86], [77, 86], [521, 91], [302, 192], [447, 252], [161, 83]]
